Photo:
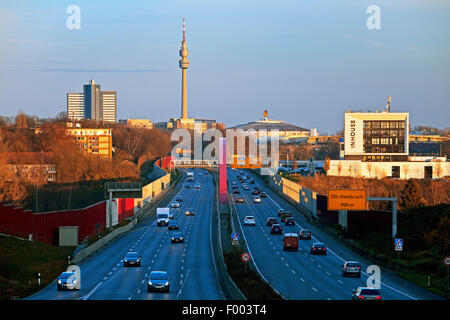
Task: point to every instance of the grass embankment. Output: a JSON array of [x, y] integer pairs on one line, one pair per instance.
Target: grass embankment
[[249, 282], [21, 260], [426, 236]]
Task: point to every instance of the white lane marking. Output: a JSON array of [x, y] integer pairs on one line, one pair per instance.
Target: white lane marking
[[343, 260], [293, 271], [92, 291], [319, 266], [340, 282], [105, 278], [315, 289], [109, 273], [303, 280], [328, 273], [139, 291], [287, 265]]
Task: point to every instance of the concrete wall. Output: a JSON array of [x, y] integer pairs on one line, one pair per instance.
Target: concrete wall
[[297, 193], [408, 170]]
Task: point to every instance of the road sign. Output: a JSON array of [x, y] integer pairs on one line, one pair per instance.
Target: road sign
[[398, 244], [245, 257], [447, 261], [235, 236], [346, 199]]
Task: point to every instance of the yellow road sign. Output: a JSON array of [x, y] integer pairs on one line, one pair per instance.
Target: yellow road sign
[[346, 199]]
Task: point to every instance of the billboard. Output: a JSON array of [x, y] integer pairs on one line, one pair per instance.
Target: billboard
[[354, 142]]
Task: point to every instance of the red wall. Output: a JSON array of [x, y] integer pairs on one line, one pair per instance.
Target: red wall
[[125, 208], [44, 226]]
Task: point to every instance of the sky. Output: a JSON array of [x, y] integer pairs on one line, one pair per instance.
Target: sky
[[305, 61]]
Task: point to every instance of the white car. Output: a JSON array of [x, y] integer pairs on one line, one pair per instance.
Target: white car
[[249, 221], [175, 204], [257, 199]]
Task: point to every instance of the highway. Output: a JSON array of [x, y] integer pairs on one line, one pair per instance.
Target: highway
[[190, 265], [300, 275]]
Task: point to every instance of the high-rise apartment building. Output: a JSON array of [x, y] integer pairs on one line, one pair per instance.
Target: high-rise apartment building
[[92, 104]]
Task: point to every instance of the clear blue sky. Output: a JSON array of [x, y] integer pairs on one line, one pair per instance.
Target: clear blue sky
[[306, 61]]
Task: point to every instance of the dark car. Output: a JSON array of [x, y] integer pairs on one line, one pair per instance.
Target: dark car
[[289, 221], [177, 237], [158, 281], [280, 212], [236, 191], [173, 225], [252, 181], [262, 194], [132, 259], [285, 215], [320, 171], [190, 212], [187, 186], [270, 221], [240, 199], [365, 293], [351, 268], [68, 281], [318, 248], [304, 234], [178, 198], [235, 187], [276, 229], [255, 190]]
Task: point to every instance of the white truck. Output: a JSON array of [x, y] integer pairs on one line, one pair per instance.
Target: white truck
[[162, 216], [190, 176]]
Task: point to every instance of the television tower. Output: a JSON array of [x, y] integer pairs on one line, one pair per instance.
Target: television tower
[[184, 64]]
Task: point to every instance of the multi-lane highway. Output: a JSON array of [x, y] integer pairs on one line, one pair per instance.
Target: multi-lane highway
[[300, 275], [190, 265]]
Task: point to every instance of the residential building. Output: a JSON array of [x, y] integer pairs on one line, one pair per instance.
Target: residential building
[[96, 141]]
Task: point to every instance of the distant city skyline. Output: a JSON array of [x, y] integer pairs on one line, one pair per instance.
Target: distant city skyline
[[305, 62]]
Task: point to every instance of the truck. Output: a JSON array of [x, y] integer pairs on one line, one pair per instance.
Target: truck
[[162, 216], [190, 176], [290, 241]]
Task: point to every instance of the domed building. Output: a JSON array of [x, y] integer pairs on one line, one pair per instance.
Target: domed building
[[288, 133]]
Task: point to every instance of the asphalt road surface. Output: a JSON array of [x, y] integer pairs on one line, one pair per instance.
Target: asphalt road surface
[[300, 275], [190, 265]]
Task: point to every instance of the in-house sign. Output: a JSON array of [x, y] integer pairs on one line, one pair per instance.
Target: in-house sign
[[353, 135]]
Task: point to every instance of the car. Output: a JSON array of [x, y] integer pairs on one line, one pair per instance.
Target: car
[[68, 281], [249, 221], [245, 187], [285, 215], [257, 199], [276, 229], [271, 221], [175, 204], [366, 293], [132, 259], [173, 225], [190, 212], [177, 237], [280, 212], [197, 186], [252, 181], [289, 221], [351, 268], [318, 248], [158, 281], [234, 187], [262, 194], [178, 198], [290, 242], [200, 174], [304, 234], [236, 191], [240, 199], [255, 191], [187, 186]]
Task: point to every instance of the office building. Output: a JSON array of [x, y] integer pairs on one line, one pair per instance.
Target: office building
[[93, 141], [92, 104]]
